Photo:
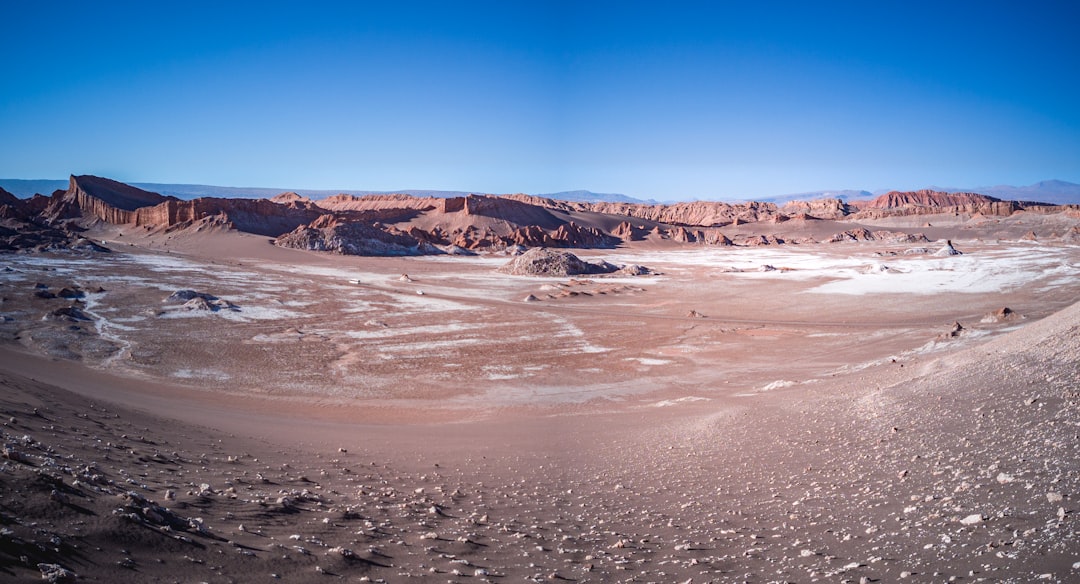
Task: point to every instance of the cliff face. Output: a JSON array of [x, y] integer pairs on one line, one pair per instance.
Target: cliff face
[[399, 224], [259, 216], [376, 202], [927, 198], [112, 193], [120, 204], [927, 202], [509, 210], [695, 214]]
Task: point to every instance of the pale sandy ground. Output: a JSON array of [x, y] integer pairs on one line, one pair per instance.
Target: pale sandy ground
[[813, 425]]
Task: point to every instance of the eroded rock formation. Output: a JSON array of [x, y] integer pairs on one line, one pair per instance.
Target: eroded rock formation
[[398, 223], [329, 233]]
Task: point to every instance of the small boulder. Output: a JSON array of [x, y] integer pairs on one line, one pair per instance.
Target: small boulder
[[56, 574]]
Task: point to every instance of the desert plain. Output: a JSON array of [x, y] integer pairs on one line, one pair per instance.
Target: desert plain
[[200, 405]]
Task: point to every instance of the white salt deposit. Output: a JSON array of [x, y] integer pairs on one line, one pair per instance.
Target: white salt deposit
[[674, 402], [778, 384], [382, 333], [210, 374]]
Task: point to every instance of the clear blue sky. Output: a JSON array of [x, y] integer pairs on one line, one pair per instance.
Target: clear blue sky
[[662, 100]]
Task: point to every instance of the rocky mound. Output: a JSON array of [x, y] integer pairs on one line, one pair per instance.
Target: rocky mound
[[72, 313], [863, 234], [200, 301], [330, 233], [11, 206], [289, 197], [541, 261], [21, 230]]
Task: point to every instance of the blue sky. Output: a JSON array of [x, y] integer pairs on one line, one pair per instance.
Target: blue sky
[[654, 100]]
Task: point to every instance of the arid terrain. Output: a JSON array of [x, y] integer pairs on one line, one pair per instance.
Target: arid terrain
[[400, 389]]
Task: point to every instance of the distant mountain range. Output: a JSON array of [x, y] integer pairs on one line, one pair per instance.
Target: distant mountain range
[[591, 197], [1057, 192], [28, 188], [843, 195]]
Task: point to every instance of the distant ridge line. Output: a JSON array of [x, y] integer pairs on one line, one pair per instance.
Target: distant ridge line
[[1048, 191]]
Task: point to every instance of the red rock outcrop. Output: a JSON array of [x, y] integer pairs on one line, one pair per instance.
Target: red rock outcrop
[[698, 214], [927, 198], [818, 208], [259, 216], [716, 238], [681, 235], [289, 197], [573, 235], [695, 214], [863, 234], [21, 230], [510, 210], [624, 231], [332, 233], [116, 203], [100, 198], [12, 207], [376, 202], [927, 202]]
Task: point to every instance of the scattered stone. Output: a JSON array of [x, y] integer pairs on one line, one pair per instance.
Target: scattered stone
[[955, 330], [972, 519], [56, 574], [70, 293], [68, 314]]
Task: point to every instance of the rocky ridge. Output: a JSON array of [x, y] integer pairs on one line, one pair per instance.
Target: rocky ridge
[[381, 224]]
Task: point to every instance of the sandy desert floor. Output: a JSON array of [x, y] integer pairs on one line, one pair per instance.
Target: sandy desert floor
[[770, 414]]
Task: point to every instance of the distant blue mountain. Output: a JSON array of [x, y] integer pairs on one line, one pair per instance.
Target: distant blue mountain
[[1057, 192], [843, 195], [182, 191], [591, 197], [25, 189]]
